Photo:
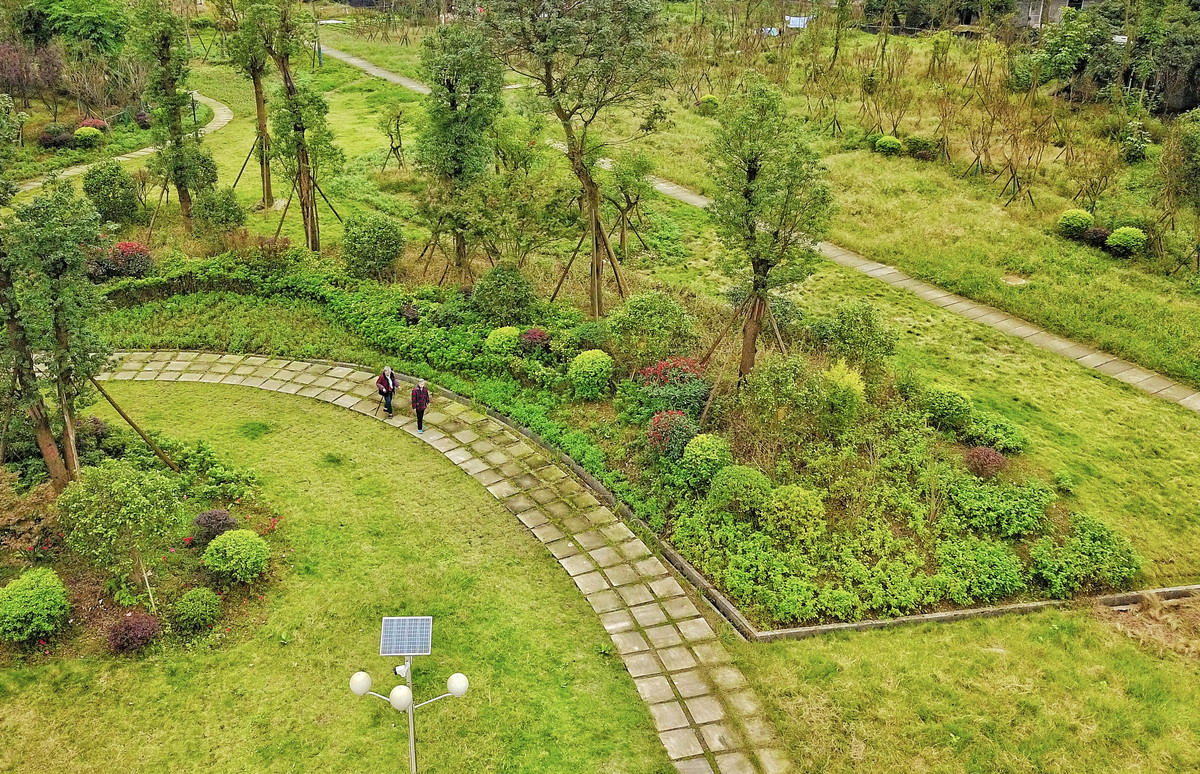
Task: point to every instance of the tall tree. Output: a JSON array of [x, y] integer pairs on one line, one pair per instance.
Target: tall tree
[[464, 100], [248, 55], [48, 245], [160, 42], [588, 59], [283, 29], [771, 203], [48, 304]]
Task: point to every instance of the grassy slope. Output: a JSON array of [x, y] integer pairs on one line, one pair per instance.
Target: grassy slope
[[546, 693], [1054, 692]]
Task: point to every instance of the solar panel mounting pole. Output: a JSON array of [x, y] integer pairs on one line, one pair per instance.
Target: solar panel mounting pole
[[412, 722]]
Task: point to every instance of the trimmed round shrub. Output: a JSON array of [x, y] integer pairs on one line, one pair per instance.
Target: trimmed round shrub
[[592, 334], [197, 609], [795, 515], [888, 146], [133, 632], [947, 409], [503, 341], [217, 210], [237, 555], [535, 340], [590, 374], [1096, 236], [986, 428], [371, 243], [739, 489], [669, 433], [1126, 241], [113, 192], [708, 105], [703, 456], [87, 137], [125, 259], [32, 606], [650, 327], [979, 570], [503, 296], [1093, 558], [210, 524], [922, 148], [1073, 224], [984, 462]]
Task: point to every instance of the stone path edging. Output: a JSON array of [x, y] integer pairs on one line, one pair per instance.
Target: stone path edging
[[1147, 381], [222, 115], [707, 717]]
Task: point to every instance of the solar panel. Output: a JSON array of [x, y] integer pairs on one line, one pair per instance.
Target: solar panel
[[406, 636]]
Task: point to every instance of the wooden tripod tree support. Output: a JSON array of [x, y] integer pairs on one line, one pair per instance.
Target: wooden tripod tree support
[[326, 198], [170, 463], [279, 228], [253, 147], [567, 269]]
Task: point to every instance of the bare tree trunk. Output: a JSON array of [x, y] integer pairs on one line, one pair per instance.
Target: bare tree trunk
[[264, 140], [66, 393], [750, 331]]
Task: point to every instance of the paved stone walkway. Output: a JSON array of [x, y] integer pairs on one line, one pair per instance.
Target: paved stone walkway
[[708, 719], [222, 115], [1122, 370]]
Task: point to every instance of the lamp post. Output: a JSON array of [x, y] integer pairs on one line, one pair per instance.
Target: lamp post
[[401, 699]]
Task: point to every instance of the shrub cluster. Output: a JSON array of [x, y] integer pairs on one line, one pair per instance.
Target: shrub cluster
[[55, 136], [197, 609], [504, 297], [125, 259], [32, 606], [371, 243], [1007, 510], [133, 632], [1124, 242], [1094, 557], [113, 192], [650, 327], [979, 570], [237, 556], [217, 210], [503, 341], [535, 340], [984, 462], [590, 374], [740, 490], [703, 456], [669, 433]]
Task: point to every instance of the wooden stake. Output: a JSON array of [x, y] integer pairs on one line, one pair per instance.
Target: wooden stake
[[170, 463], [567, 269], [246, 162], [285, 209], [326, 198], [736, 315], [775, 327]]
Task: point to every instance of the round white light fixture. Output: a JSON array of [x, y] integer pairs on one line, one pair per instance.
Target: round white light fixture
[[360, 683], [401, 698], [457, 685]]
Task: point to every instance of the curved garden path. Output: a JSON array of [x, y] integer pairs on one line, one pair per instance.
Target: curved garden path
[[1122, 370], [708, 719], [222, 115]]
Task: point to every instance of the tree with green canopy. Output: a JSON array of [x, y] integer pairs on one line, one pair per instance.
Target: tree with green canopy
[[771, 203], [248, 55], [587, 59], [464, 100]]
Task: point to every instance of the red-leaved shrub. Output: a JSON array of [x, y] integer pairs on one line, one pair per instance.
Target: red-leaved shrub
[[985, 462], [535, 339], [94, 123], [669, 432], [133, 632], [126, 259], [673, 370]]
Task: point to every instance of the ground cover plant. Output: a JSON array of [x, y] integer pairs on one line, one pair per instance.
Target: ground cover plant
[[505, 614]]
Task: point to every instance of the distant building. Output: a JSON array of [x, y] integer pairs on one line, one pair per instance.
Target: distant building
[[1035, 13]]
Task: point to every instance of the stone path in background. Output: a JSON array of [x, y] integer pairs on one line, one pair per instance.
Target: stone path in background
[[222, 115], [706, 715], [376, 70], [1122, 370]]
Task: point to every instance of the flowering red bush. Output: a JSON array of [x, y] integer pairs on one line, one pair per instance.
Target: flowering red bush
[[94, 123], [535, 339], [673, 370], [126, 259], [133, 632], [985, 462], [669, 432]]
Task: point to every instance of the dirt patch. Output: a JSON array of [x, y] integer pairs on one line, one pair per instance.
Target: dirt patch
[[1162, 627]]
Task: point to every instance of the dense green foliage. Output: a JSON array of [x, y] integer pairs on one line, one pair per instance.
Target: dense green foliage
[[237, 556], [32, 606], [113, 192], [504, 297], [591, 374], [1073, 223], [198, 609], [371, 244]]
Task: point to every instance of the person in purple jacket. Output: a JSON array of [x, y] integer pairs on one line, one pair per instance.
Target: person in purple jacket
[[420, 402]]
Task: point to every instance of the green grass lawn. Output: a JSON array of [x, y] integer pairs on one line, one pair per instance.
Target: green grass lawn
[[381, 525], [1053, 692]]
